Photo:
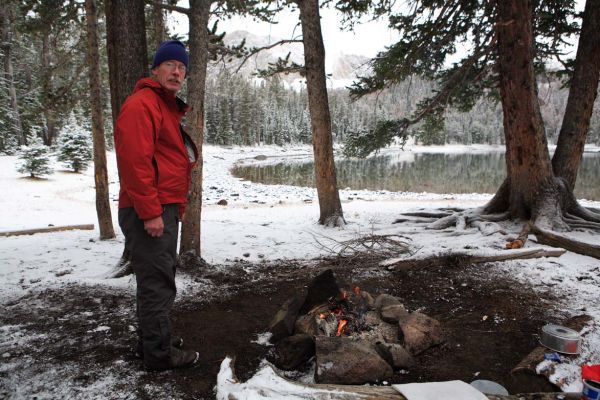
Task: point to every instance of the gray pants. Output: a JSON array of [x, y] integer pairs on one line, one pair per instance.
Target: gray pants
[[154, 262]]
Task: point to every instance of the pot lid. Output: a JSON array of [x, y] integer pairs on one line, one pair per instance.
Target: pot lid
[[560, 331]]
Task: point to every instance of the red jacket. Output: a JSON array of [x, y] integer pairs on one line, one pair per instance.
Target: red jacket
[[153, 161]]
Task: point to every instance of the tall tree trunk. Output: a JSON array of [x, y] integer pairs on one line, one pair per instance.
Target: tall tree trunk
[[159, 24], [582, 94], [6, 28], [198, 42], [529, 172], [49, 131], [100, 170], [320, 118], [126, 47]]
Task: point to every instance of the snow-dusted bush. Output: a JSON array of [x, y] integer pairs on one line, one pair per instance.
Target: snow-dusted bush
[[74, 145], [35, 159]]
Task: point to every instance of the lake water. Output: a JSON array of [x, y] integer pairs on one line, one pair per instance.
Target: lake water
[[417, 172]]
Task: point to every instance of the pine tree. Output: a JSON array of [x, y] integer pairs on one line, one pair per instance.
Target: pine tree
[[35, 159], [74, 145]]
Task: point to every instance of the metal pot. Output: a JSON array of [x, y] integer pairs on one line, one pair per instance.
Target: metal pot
[[561, 339], [591, 390]]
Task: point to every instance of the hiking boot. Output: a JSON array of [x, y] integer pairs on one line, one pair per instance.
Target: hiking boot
[[138, 352], [177, 359]]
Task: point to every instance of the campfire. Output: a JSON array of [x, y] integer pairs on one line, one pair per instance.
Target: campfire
[[353, 337]]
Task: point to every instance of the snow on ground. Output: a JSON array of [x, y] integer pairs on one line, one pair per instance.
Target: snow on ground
[[260, 222]]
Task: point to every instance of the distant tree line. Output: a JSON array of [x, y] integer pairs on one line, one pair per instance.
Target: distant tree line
[[45, 78]]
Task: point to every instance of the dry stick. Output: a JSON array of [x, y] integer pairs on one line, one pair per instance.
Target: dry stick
[[461, 259], [87, 227], [554, 240]]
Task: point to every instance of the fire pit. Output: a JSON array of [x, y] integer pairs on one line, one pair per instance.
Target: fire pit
[[355, 338]]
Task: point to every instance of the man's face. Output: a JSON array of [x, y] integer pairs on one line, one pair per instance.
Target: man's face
[[170, 74]]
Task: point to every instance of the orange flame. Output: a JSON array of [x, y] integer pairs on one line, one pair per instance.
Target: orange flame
[[341, 326]]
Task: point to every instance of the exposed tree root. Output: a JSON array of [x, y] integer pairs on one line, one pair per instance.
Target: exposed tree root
[[554, 240], [556, 211]]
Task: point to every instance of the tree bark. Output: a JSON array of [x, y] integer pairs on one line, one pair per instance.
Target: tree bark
[[100, 170], [49, 131], [582, 94], [198, 42], [6, 27], [159, 24], [320, 118], [532, 188], [126, 47]]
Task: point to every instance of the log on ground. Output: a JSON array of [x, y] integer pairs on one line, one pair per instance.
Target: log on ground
[[86, 227]]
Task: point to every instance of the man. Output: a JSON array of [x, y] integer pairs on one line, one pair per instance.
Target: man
[[154, 158]]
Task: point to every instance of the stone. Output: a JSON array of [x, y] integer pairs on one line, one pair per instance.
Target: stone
[[323, 287], [307, 324], [368, 299], [293, 351], [282, 324], [420, 332], [396, 355], [222, 202], [345, 361], [392, 313], [385, 300]]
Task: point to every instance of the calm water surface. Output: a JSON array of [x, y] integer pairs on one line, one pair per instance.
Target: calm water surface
[[423, 172]]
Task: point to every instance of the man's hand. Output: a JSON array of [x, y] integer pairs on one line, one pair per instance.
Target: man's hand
[[154, 226]]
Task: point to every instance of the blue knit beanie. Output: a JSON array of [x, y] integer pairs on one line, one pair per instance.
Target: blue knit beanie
[[170, 50]]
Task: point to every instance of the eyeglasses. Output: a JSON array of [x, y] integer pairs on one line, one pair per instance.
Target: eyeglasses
[[173, 66]]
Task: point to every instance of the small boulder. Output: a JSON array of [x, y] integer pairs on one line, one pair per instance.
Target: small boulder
[[392, 313], [420, 332], [395, 355], [293, 351], [385, 300], [282, 324], [222, 202], [345, 361]]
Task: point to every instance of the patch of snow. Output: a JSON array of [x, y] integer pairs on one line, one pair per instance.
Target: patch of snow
[[265, 222]]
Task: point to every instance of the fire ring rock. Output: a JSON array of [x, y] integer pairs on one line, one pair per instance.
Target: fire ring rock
[[294, 350], [343, 360], [282, 324], [393, 313], [420, 332], [384, 300]]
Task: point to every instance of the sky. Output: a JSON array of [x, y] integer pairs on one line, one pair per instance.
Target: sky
[[260, 222], [367, 39]]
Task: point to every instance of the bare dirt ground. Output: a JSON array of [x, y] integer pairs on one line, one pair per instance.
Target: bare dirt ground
[[74, 339]]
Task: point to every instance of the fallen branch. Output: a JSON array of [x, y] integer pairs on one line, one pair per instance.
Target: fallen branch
[[554, 240], [462, 259], [87, 227]]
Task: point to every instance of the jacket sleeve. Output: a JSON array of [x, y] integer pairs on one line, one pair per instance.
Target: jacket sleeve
[[135, 137]]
